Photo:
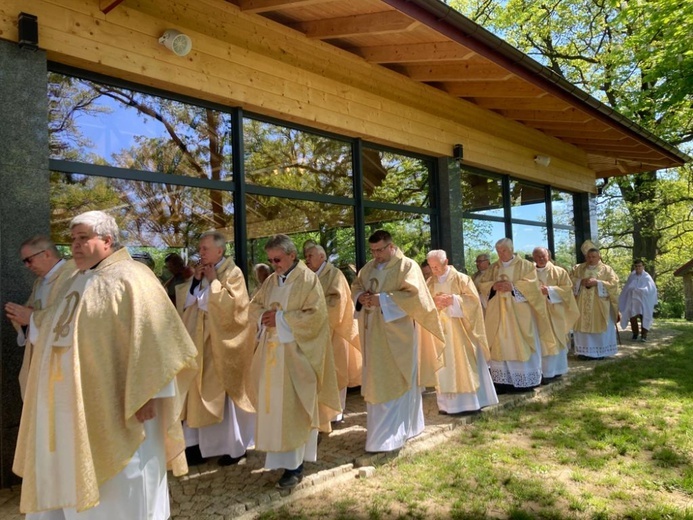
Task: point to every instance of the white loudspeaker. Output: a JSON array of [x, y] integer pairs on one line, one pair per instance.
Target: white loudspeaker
[[176, 41]]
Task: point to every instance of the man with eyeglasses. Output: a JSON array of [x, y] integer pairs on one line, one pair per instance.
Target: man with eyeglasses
[[293, 382], [101, 417], [392, 300], [219, 418], [42, 258], [343, 328]]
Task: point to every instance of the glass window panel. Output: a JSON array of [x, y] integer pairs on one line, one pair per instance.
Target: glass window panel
[[562, 208], [527, 202], [395, 178], [526, 238], [286, 158], [330, 225], [411, 232], [99, 124], [564, 244], [482, 195], [157, 218], [480, 236]]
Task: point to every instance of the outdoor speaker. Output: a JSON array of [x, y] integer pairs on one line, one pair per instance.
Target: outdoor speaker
[[27, 25], [458, 152]]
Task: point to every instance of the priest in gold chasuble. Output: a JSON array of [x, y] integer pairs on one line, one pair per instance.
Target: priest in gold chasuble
[[42, 258], [343, 326], [293, 383], [595, 285], [464, 383], [219, 419], [557, 290], [391, 302], [111, 364], [517, 323]]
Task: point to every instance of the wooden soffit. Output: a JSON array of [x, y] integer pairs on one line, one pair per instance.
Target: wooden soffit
[[428, 42]]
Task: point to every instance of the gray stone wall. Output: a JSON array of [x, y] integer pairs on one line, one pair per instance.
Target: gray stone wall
[[450, 201], [24, 211]]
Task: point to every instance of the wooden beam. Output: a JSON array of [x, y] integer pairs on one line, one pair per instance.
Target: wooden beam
[[375, 23], [502, 103], [607, 133], [477, 89], [419, 52], [263, 6], [461, 71], [107, 6], [571, 115]]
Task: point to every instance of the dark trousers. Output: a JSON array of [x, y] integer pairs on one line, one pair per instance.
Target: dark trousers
[[634, 326]]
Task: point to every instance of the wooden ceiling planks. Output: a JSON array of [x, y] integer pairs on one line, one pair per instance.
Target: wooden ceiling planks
[[383, 35]]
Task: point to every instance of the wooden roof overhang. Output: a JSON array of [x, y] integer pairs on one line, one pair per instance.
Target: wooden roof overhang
[[429, 42]]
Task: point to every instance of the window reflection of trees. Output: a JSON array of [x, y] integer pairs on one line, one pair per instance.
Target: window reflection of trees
[[94, 123], [286, 158], [395, 178], [149, 214]]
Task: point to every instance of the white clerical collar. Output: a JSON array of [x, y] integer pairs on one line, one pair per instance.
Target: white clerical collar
[[50, 273], [444, 276], [218, 264], [283, 277], [321, 268], [541, 269], [506, 264]]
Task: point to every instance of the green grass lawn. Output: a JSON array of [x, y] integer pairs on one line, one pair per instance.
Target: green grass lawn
[[616, 443]]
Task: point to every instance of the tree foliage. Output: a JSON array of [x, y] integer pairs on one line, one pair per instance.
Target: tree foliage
[[636, 56]]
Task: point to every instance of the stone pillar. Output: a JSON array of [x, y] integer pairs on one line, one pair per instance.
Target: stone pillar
[[450, 207], [24, 211]]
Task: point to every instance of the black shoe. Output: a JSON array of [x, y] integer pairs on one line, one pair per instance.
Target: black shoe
[[502, 388], [194, 456], [291, 478], [442, 412], [635, 336], [228, 460]]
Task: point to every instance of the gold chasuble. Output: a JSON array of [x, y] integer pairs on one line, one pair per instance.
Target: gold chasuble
[[292, 381], [564, 314], [388, 347], [345, 330], [594, 309], [224, 344], [43, 290], [462, 335], [112, 342], [510, 327]]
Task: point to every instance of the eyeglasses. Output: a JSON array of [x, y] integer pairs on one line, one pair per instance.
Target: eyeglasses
[[275, 260], [481, 261], [28, 259], [379, 249]]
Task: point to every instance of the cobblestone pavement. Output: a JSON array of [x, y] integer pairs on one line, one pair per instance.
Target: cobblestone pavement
[[211, 492]]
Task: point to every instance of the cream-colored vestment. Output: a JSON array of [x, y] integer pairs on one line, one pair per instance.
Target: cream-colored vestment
[[517, 324], [595, 329], [112, 342], [293, 372], [464, 382], [43, 294]]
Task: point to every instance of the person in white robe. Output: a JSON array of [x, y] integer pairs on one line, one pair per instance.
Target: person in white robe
[[42, 258], [100, 421], [391, 300], [464, 383], [293, 383], [637, 301], [595, 285], [557, 290], [219, 418]]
